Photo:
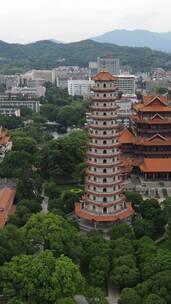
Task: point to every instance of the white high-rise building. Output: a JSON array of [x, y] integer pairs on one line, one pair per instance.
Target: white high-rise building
[[80, 87], [125, 84]]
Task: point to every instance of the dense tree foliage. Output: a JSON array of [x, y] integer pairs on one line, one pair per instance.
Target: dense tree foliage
[[11, 122], [40, 279], [63, 156]]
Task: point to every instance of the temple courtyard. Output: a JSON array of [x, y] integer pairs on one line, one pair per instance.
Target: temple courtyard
[[159, 189]]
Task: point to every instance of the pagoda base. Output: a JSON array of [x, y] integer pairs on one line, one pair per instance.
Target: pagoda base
[[90, 221]]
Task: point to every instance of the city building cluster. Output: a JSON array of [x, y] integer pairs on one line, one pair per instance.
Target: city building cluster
[[27, 89]]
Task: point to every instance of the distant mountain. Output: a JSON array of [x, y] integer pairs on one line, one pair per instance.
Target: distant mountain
[[45, 54], [56, 41], [138, 38]]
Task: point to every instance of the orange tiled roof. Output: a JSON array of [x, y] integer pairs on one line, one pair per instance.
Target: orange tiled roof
[[103, 218], [103, 76], [151, 108], [156, 165], [149, 98], [153, 104], [126, 137], [7, 196]]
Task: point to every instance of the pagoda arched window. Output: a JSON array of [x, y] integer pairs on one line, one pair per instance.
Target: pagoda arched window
[[104, 114], [104, 123], [104, 200], [104, 151], [104, 85], [104, 133], [104, 161], [104, 210], [104, 180], [104, 190], [104, 142], [104, 95], [104, 170], [104, 104]]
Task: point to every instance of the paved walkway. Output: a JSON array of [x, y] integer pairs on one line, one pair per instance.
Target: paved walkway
[[45, 200], [113, 293]]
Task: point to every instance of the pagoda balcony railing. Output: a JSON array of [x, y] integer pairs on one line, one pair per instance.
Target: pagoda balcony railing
[[104, 117], [100, 108], [96, 89], [106, 194], [92, 154], [103, 127], [90, 135], [98, 184], [116, 202], [103, 146], [102, 98], [88, 172], [95, 165]]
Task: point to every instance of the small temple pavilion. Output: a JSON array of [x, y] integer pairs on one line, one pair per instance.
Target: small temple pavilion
[[146, 148], [103, 202]]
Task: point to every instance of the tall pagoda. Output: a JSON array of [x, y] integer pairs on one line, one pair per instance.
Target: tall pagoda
[[103, 202], [146, 148]]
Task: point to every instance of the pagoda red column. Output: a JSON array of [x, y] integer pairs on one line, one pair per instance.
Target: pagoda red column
[[103, 200]]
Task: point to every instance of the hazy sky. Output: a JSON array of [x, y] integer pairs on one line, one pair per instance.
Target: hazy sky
[[71, 20]]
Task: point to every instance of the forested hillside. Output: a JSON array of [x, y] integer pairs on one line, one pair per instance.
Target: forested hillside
[[17, 58]]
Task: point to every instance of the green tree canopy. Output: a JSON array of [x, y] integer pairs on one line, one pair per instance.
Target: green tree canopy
[[129, 296], [40, 279]]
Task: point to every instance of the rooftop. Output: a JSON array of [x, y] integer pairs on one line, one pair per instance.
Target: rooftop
[[7, 196], [156, 165], [126, 137], [104, 76]]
